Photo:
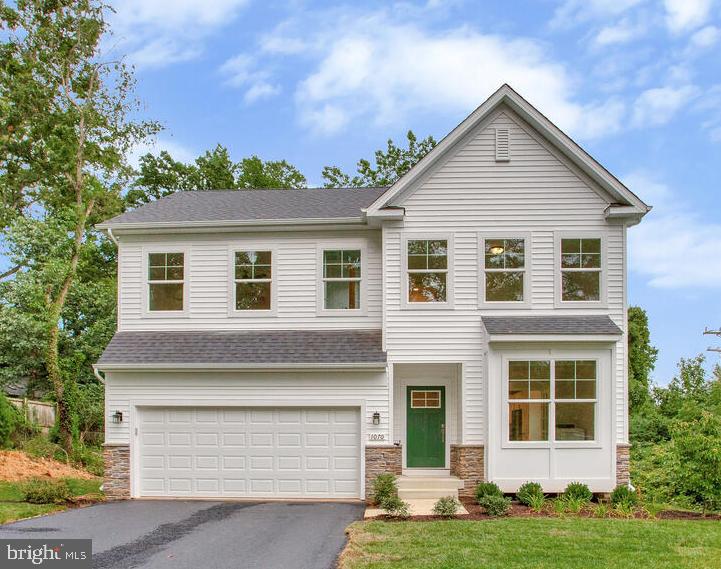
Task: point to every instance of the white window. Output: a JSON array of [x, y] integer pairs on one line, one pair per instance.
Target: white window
[[342, 279], [542, 393], [581, 265], [166, 282], [427, 264], [504, 270], [253, 278]]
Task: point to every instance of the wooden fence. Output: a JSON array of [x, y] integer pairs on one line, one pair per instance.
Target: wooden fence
[[38, 412]]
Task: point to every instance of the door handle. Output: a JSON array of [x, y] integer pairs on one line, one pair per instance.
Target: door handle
[[443, 432]]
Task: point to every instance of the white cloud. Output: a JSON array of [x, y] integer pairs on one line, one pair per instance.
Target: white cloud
[[622, 32], [673, 247], [573, 12], [178, 151], [657, 106], [685, 15], [161, 32], [242, 71], [706, 37]]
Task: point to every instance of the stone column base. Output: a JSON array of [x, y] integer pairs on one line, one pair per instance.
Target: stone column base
[[116, 484], [467, 463], [379, 460], [623, 464]]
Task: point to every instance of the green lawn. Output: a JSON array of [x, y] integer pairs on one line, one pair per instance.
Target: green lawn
[[539, 543], [13, 508]]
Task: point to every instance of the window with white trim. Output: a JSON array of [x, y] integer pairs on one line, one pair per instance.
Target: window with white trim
[[504, 269], [427, 270], [342, 279], [166, 282], [558, 392], [253, 272], [581, 266]]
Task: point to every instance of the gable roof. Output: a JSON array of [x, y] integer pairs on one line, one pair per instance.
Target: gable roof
[[194, 208], [505, 95]]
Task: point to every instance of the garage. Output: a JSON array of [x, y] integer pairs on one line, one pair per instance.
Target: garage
[[254, 452]]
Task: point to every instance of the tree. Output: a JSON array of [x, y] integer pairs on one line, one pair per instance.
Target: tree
[[390, 165], [162, 175], [68, 133], [641, 358]]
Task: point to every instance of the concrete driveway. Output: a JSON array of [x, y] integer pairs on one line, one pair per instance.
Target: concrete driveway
[[194, 534]]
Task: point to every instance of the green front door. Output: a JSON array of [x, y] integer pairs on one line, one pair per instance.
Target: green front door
[[426, 427]]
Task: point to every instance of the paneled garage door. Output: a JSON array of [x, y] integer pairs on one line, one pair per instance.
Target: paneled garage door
[[249, 452]]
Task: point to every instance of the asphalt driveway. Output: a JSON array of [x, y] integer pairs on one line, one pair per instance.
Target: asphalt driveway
[[195, 534]]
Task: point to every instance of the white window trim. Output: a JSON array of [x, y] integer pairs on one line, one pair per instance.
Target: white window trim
[[558, 281], [254, 246], [527, 269], [147, 251], [450, 274], [341, 245], [601, 372], [421, 390]]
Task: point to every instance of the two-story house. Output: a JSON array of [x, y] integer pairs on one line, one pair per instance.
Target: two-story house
[[467, 323]]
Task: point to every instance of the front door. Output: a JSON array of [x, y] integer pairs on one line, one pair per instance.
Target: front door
[[426, 427]]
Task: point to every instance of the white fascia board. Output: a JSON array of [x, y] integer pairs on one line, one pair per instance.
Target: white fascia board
[[230, 225], [193, 367], [605, 338], [388, 214]]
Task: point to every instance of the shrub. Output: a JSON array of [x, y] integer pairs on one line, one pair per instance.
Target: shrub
[[446, 507], [8, 420], [384, 487], [573, 505], [91, 458], [623, 495], [396, 507], [487, 489], [601, 510], [495, 505], [578, 491], [527, 491], [537, 502], [45, 491], [624, 510]]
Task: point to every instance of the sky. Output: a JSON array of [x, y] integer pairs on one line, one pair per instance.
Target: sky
[[636, 82]]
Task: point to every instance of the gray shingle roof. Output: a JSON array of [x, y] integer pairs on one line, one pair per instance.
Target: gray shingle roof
[[563, 325], [257, 347], [252, 205]]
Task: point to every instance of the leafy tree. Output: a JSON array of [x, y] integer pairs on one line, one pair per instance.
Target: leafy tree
[[390, 165], [162, 175], [641, 358], [67, 134]]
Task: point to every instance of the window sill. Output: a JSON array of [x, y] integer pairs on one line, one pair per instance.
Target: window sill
[[427, 306], [504, 305], [166, 314], [353, 312], [251, 313]]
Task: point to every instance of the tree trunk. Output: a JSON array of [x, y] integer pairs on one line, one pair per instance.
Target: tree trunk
[[52, 363]]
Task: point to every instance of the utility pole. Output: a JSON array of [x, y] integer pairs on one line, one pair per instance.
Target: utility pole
[[717, 333]]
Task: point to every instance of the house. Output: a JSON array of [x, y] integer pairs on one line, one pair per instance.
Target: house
[[467, 323]]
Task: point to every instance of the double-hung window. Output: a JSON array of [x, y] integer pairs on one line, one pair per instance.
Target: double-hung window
[[342, 279], [504, 270], [166, 282], [253, 276], [559, 392], [581, 266], [427, 270]]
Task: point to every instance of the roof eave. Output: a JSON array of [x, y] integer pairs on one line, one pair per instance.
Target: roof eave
[[239, 366], [606, 338]]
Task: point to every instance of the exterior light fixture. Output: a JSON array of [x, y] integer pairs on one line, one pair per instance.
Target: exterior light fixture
[[497, 250], [118, 417], [376, 418]]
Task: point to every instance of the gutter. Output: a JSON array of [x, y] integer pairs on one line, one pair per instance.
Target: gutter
[[229, 223], [553, 337], [191, 367]]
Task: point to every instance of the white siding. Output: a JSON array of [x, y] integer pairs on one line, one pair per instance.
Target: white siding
[[207, 271], [536, 192]]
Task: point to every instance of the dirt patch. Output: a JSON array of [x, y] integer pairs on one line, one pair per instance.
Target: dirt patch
[[15, 465]]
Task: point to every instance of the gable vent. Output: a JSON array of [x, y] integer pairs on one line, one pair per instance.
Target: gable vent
[[503, 145]]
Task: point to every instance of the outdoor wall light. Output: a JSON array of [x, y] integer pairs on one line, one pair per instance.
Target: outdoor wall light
[[376, 418], [118, 417]]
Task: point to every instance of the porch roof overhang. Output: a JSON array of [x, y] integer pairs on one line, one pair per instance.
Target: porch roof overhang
[[585, 328], [274, 350]]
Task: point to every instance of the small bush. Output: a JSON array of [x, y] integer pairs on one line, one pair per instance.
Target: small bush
[[384, 487], [446, 507], [624, 510], [45, 491], [537, 502], [573, 505], [527, 491], [559, 506], [487, 489], [91, 458], [578, 491], [495, 505], [396, 507], [8, 420], [623, 495], [601, 510]]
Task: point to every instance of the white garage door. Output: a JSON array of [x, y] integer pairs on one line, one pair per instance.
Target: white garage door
[[249, 452]]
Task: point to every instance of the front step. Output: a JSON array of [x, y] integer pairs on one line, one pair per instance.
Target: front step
[[428, 487]]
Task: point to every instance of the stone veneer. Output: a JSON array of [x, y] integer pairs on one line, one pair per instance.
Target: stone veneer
[[467, 463], [116, 484], [623, 460], [380, 460]]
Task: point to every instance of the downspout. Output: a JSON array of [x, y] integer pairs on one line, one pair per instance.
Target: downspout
[[96, 371], [112, 237]]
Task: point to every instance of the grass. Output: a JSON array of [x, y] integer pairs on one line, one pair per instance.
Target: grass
[[13, 508], [570, 543]]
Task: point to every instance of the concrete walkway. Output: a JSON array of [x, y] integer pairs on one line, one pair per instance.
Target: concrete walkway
[[418, 508]]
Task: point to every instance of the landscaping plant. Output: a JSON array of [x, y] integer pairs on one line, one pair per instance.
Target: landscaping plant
[[45, 491], [384, 487], [446, 507], [537, 502], [8, 419], [623, 495], [528, 491], [601, 510], [396, 507], [578, 491], [495, 505], [487, 489]]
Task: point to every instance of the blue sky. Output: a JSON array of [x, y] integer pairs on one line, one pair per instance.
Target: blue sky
[[636, 82]]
